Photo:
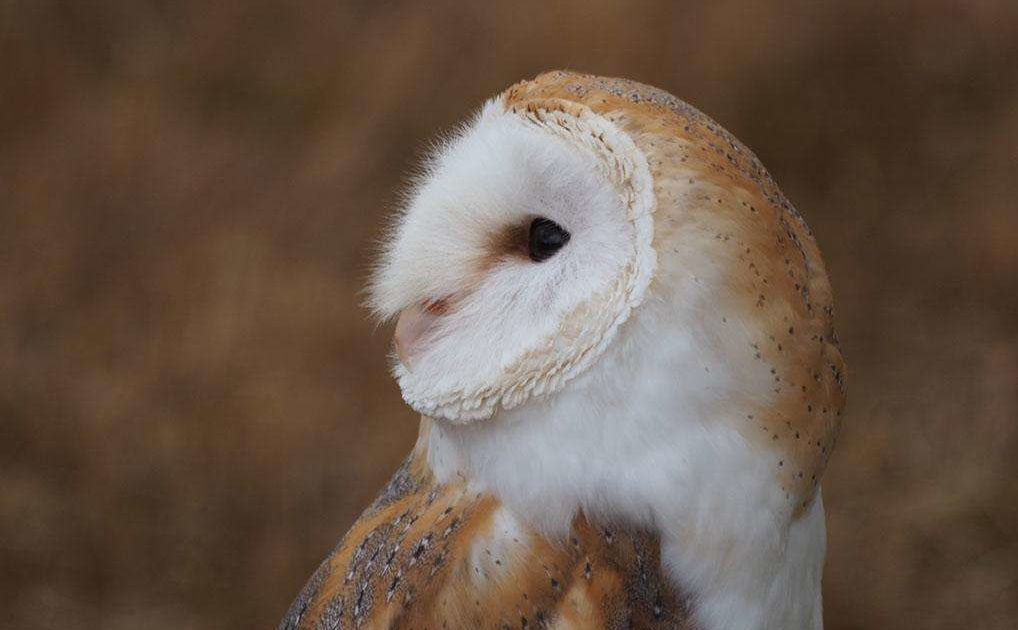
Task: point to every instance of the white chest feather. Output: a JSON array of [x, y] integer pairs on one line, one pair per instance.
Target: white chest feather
[[632, 443]]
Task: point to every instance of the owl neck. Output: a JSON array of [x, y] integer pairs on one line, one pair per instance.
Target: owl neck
[[728, 536]]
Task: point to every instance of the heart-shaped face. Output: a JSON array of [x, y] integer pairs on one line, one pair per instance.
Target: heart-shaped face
[[524, 246]]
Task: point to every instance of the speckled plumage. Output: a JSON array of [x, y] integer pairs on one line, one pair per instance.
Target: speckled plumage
[[685, 463], [427, 555]]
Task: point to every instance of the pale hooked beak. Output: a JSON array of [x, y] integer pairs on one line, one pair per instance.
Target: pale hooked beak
[[413, 324]]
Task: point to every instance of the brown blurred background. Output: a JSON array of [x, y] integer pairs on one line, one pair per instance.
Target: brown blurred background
[[193, 407]]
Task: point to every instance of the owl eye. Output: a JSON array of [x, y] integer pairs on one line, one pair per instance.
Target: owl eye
[[546, 238]]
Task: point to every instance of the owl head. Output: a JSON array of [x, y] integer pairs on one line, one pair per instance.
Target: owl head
[[525, 246], [587, 230]]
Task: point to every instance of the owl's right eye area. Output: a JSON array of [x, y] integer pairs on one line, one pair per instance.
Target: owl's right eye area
[[545, 239]]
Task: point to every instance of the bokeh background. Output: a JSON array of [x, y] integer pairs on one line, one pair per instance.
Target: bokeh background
[[194, 407]]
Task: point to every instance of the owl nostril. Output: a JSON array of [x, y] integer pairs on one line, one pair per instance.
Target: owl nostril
[[437, 307]]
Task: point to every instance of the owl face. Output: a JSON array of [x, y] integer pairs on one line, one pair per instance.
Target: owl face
[[522, 249]]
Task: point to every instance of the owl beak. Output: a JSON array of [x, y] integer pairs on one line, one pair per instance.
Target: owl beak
[[413, 324]]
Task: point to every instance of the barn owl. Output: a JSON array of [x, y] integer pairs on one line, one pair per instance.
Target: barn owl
[[619, 335]]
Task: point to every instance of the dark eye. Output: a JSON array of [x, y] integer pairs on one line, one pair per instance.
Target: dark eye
[[546, 238]]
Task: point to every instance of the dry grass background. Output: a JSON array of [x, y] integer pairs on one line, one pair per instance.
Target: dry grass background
[[193, 407]]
